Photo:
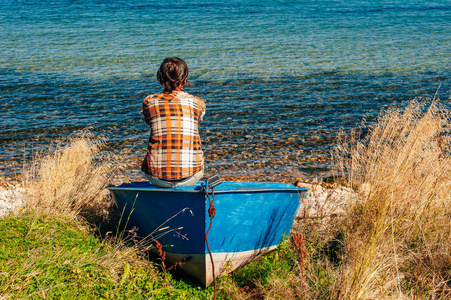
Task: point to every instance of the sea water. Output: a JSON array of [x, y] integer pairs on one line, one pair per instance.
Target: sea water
[[282, 79]]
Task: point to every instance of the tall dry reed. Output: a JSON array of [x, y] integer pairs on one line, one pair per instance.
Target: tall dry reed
[[398, 234], [72, 178]]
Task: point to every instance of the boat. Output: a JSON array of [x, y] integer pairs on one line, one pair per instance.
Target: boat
[[249, 219]]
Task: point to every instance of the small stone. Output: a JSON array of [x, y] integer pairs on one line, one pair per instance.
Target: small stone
[[316, 188], [11, 198]]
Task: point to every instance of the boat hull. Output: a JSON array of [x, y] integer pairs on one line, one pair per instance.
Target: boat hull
[[251, 219]]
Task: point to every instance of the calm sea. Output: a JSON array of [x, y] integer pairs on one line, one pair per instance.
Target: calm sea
[[282, 79]]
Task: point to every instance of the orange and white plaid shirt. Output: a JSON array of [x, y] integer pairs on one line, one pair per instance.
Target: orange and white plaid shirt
[[174, 151]]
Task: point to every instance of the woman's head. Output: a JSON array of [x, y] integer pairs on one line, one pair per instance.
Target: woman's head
[[173, 73]]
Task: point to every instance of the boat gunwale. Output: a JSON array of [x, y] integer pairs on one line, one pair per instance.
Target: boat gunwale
[[241, 191]]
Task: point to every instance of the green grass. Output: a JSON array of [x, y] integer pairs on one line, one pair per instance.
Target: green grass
[[48, 257], [258, 272], [55, 258]]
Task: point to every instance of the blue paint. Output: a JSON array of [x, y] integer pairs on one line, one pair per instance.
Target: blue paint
[[249, 221], [249, 215], [153, 207]]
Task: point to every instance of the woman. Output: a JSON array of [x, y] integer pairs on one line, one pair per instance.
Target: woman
[[174, 155]]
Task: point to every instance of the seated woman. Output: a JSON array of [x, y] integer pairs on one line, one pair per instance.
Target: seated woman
[[174, 155]]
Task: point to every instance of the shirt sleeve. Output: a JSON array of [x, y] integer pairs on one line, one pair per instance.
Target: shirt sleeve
[[146, 111]]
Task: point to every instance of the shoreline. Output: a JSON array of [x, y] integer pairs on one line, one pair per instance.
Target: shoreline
[[326, 199]]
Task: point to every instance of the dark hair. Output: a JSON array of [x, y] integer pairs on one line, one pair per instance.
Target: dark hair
[[173, 71]]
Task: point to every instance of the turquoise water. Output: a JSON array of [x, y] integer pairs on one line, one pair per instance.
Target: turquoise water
[[282, 79]]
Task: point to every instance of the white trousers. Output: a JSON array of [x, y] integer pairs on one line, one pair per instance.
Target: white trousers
[[172, 184]]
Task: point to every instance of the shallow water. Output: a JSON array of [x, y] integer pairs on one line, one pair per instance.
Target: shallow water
[[282, 79]]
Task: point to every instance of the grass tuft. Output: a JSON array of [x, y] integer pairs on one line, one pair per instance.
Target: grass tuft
[[398, 235], [72, 179]]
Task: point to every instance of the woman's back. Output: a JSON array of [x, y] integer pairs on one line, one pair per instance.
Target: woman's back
[[174, 150]]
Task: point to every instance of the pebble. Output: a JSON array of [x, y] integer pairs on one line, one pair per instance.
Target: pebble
[[12, 198], [323, 201]]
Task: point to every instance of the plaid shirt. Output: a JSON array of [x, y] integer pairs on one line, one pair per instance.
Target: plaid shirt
[[174, 150]]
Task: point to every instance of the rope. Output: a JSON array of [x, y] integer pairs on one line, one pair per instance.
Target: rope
[[211, 214]]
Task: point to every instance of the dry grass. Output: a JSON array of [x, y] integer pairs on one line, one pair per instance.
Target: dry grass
[[397, 240], [72, 178]]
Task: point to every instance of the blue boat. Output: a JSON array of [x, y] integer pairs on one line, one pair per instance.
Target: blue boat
[[251, 219]]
